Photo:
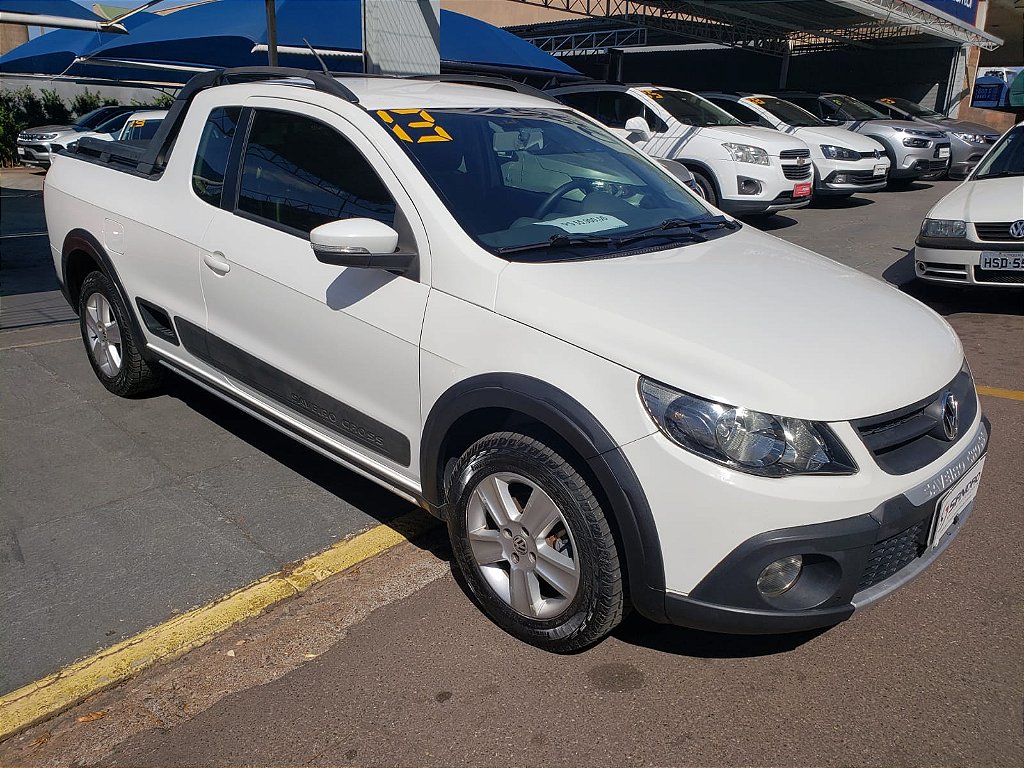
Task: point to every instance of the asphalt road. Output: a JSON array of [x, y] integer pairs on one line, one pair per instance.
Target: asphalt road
[[118, 514]]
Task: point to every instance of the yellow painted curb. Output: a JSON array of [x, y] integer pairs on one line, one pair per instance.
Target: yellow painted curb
[[45, 698], [1008, 394]]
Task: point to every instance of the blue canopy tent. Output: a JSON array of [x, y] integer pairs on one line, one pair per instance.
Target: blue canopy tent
[[67, 8], [232, 33]]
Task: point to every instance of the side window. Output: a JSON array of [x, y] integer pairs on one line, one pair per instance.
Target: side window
[[811, 105], [584, 101], [656, 123], [212, 157], [616, 107], [740, 111], [299, 173], [827, 109]]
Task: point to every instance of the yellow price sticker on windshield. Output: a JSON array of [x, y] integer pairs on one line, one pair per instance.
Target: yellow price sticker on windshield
[[655, 94], [425, 123], [138, 123]]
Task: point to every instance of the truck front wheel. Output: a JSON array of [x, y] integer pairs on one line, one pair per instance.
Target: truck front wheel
[[533, 544], [114, 352]]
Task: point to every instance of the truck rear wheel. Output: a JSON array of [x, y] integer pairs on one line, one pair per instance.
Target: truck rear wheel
[[114, 352], [533, 544]]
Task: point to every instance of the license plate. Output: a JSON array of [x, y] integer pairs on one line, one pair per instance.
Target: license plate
[[956, 501], [21, 151], [879, 170], [1010, 262], [802, 190], [943, 151]]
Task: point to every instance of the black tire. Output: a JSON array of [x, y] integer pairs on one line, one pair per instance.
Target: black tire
[[134, 375], [598, 603], [707, 186]]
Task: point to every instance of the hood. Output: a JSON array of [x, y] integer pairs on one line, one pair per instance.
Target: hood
[[839, 137], [872, 126], [770, 140], [47, 129], [747, 320], [963, 126], [983, 200]]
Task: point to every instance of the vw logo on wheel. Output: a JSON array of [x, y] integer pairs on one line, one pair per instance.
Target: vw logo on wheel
[[1017, 229], [950, 416], [519, 545]]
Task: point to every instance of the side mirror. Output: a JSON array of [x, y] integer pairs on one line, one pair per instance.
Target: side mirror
[[833, 121], [365, 243], [638, 127]]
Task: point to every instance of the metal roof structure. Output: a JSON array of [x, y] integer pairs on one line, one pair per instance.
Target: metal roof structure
[[777, 27]]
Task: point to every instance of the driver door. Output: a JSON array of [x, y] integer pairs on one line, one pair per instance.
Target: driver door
[[336, 347]]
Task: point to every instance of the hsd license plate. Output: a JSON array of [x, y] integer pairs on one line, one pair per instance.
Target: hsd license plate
[[1013, 262]]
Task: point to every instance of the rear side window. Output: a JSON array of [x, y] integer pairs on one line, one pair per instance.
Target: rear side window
[[298, 173], [212, 157], [140, 130]]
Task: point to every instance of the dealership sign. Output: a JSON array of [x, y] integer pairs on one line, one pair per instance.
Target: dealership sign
[[965, 10]]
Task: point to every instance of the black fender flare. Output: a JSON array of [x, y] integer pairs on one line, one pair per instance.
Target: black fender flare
[[81, 240], [573, 423]]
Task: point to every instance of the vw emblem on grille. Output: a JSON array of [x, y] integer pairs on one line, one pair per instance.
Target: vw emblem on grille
[[1017, 229], [950, 416], [878, 154]]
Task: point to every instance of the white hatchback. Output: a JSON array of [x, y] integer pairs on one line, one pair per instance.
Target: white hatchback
[[975, 234]]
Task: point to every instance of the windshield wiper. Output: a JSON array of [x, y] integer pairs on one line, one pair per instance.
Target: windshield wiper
[[559, 241], [681, 228]]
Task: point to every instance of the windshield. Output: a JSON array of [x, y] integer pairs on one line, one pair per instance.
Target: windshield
[[912, 108], [787, 112], [691, 109], [543, 183], [90, 120], [851, 109], [1006, 158], [114, 124]]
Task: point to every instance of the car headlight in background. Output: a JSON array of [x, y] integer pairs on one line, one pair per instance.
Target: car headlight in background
[[919, 143], [944, 228], [745, 440], [970, 138], [745, 153], [839, 153]]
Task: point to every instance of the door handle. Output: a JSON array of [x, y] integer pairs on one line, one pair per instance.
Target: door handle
[[217, 262]]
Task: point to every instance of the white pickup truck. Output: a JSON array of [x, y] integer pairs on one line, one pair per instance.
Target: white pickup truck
[[486, 302]]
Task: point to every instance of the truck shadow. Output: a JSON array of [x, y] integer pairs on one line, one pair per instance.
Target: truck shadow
[[680, 641]]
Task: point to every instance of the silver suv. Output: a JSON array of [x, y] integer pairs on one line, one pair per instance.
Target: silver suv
[[36, 146], [969, 141], [914, 149]]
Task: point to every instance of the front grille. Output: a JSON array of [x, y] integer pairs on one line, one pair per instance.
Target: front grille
[[892, 555], [937, 148], [932, 165], [863, 177], [875, 153], [993, 230], [912, 437], [791, 154], [944, 271], [997, 276], [797, 172]]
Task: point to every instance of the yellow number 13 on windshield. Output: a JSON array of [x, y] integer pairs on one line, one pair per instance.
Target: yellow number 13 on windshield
[[425, 122]]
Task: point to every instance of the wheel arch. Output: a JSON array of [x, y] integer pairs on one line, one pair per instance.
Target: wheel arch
[[494, 402], [82, 253], [703, 169]]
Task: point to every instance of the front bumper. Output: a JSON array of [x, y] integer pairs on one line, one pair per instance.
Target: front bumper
[[914, 163], [845, 177], [776, 184], [34, 153], [958, 262]]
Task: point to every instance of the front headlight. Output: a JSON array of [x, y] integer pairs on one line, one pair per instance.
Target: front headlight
[[47, 136], [916, 143], [745, 153], [970, 138], [745, 440], [944, 228], [839, 153]]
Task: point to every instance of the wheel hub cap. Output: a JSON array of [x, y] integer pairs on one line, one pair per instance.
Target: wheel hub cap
[[523, 546], [103, 334]]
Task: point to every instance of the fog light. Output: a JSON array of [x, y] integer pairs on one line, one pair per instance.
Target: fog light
[[840, 178], [779, 577], [748, 186]]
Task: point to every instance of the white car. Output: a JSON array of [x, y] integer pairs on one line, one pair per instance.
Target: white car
[[491, 305], [975, 234], [844, 162], [740, 169]]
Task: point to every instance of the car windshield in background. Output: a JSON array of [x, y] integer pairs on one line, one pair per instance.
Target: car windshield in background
[[912, 108], [1006, 158], [90, 120], [541, 185], [787, 112], [114, 124], [851, 109], [690, 109]]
